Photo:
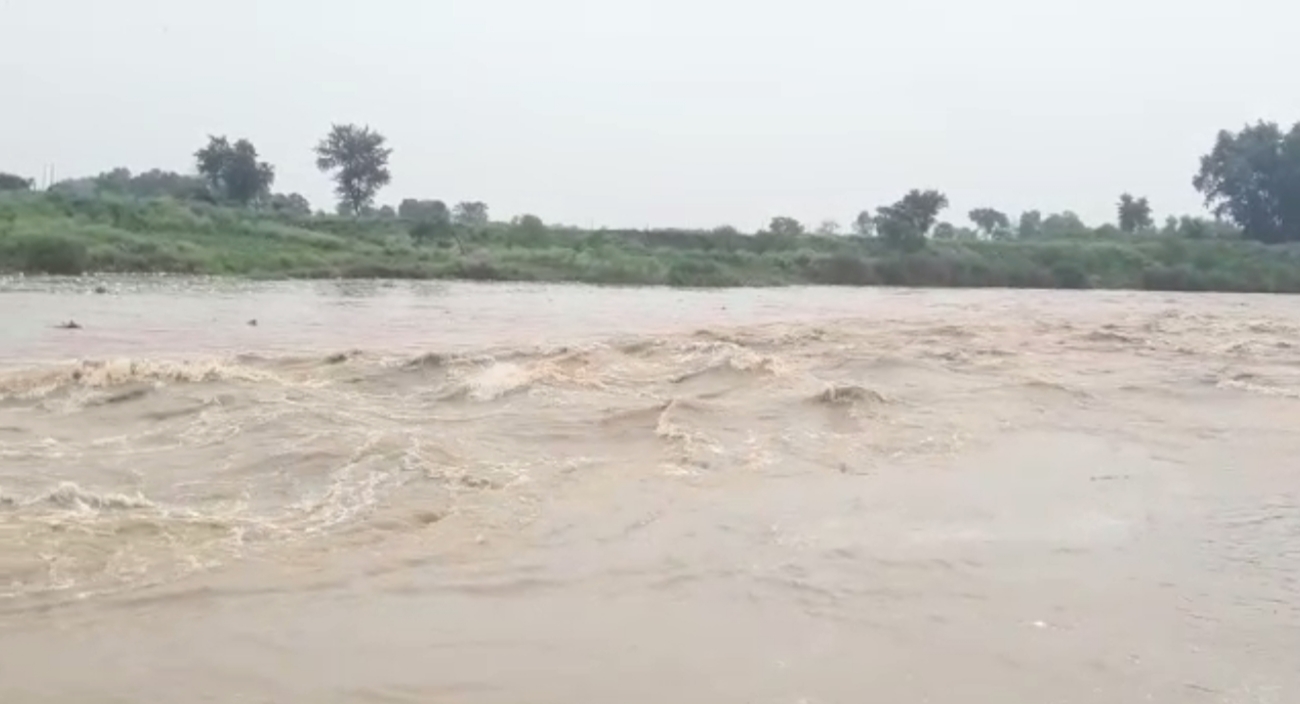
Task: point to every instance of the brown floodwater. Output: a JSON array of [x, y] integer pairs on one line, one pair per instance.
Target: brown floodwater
[[410, 492]]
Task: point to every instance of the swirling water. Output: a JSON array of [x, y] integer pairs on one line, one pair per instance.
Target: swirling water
[[408, 492]]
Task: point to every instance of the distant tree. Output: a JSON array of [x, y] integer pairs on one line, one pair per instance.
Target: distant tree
[[1134, 214], [13, 182], [473, 214], [1065, 224], [828, 228], [233, 172], [359, 160], [291, 204], [864, 225], [991, 222], [1031, 224], [1171, 227], [785, 226], [425, 210], [210, 162], [1252, 178], [386, 212], [154, 183], [529, 225], [905, 224], [725, 230], [945, 231]]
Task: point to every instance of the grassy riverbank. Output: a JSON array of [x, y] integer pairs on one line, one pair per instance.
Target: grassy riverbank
[[60, 234]]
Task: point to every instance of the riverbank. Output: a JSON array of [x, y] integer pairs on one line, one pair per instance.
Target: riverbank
[[58, 234]]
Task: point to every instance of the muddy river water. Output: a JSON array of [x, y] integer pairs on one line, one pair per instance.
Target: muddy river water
[[415, 492]]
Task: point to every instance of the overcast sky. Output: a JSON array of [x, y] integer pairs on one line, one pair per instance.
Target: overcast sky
[[662, 112]]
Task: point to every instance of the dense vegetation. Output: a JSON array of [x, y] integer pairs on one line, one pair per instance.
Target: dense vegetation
[[225, 219]]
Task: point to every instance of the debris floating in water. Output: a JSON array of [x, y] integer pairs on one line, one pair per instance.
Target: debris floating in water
[[70, 325]]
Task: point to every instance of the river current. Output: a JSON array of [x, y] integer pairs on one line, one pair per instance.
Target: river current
[[217, 491]]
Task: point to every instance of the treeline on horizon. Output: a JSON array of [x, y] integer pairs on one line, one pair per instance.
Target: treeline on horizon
[[226, 218]]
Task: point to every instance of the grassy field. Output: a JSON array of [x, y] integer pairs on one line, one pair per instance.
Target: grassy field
[[60, 234]]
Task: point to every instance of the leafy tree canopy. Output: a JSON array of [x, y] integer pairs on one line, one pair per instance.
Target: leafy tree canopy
[[905, 224], [785, 226], [1252, 178], [424, 211], [233, 172], [359, 160], [991, 222], [473, 214], [14, 182], [1134, 214]]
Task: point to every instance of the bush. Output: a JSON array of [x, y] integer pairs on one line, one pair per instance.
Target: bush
[[69, 233], [50, 254]]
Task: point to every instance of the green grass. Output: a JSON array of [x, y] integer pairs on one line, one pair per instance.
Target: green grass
[[44, 233]]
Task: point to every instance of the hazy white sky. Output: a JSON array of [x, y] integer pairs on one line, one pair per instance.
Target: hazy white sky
[[663, 112]]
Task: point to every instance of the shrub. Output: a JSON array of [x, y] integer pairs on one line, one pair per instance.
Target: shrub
[[50, 254]]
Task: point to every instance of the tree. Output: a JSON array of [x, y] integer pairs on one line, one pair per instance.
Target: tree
[[233, 172], [13, 182], [905, 224], [828, 228], [1134, 214], [359, 160], [424, 210], [991, 222], [1252, 178], [785, 226], [210, 162], [1065, 224], [1031, 224], [945, 231], [472, 214], [864, 225], [154, 183], [530, 225], [1171, 227], [292, 204]]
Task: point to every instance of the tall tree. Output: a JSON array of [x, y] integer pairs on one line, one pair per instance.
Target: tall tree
[[233, 172], [472, 214], [1252, 178], [990, 221], [785, 226], [905, 224], [359, 160], [1134, 214], [210, 162]]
